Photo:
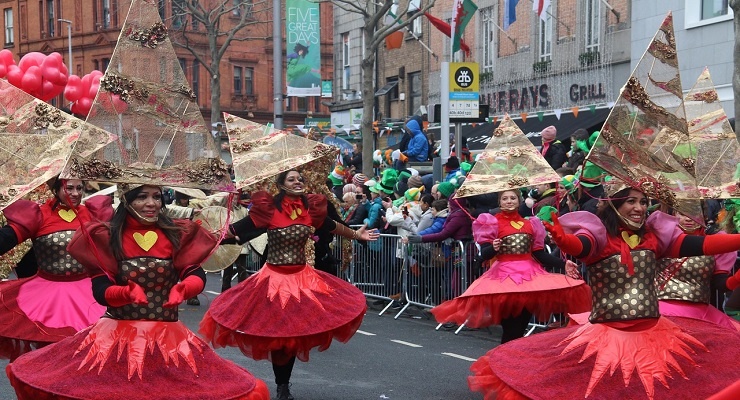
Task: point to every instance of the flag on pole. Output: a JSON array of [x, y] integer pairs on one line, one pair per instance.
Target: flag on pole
[[540, 6], [445, 28], [395, 39], [461, 15], [509, 12]]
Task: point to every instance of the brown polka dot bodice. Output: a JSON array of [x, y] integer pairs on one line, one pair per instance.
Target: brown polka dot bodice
[[52, 256], [287, 245], [156, 276], [518, 243], [687, 278], [619, 296]]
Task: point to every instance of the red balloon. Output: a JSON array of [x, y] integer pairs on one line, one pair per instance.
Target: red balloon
[[6, 57], [3, 70], [31, 80], [15, 76], [73, 89], [82, 106], [49, 90], [32, 59]]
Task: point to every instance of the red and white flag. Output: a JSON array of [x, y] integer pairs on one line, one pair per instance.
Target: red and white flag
[[540, 6]]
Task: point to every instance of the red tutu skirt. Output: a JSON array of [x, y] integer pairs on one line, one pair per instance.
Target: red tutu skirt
[[284, 309], [508, 288], [36, 311], [125, 360], [651, 359]]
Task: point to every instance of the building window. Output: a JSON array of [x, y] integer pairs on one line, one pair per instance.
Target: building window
[[50, 18], [593, 25], [415, 92], [196, 79], [242, 7], [302, 104], [105, 8], [106, 61], [345, 61], [96, 65], [393, 93], [249, 81], [545, 38], [238, 81], [8, 26], [416, 24], [713, 8], [489, 28], [178, 13]]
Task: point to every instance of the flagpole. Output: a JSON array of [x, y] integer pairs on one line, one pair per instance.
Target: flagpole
[[445, 92], [422, 43]]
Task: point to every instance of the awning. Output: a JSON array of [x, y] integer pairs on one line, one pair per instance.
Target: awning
[[387, 88], [479, 135]]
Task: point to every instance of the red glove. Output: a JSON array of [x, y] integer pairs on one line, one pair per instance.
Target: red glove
[[118, 296], [567, 243], [734, 281], [186, 289], [718, 244]]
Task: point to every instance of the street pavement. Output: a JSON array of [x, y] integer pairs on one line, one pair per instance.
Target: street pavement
[[398, 359]]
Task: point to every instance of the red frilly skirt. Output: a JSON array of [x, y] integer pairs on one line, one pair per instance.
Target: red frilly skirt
[[37, 311], [509, 287], [124, 360], [650, 359], [288, 310]]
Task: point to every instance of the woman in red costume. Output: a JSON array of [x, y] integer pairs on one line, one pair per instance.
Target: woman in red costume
[[139, 348], [57, 301], [516, 286], [688, 357], [685, 284], [288, 307]]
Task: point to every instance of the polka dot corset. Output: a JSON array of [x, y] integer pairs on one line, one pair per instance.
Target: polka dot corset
[[518, 243], [287, 246], [156, 277], [619, 296], [685, 279], [52, 256]]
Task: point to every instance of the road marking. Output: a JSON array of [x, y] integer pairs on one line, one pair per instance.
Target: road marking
[[405, 343], [459, 356], [212, 292], [365, 333]]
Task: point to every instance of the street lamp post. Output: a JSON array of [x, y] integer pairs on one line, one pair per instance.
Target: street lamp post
[[69, 41]]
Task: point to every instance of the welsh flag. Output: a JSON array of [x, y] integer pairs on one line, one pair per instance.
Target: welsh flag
[[462, 14], [444, 27]]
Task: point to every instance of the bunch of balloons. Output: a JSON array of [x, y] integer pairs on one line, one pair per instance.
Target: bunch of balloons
[[82, 91], [40, 75]]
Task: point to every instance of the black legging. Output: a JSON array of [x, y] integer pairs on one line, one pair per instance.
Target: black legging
[[283, 372], [514, 327]]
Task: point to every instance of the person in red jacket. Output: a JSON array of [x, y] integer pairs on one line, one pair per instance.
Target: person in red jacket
[[143, 265]]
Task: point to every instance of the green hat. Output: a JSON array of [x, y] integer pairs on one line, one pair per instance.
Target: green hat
[[387, 182], [591, 175], [568, 182], [446, 189], [466, 166], [337, 176], [545, 213], [413, 194]]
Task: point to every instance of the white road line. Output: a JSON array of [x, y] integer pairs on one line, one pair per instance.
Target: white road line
[[459, 356], [212, 292], [365, 333], [406, 343]]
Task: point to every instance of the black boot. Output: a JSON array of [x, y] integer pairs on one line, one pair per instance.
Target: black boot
[[283, 392]]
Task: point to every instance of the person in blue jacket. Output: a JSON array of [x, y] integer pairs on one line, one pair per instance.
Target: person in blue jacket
[[418, 145]]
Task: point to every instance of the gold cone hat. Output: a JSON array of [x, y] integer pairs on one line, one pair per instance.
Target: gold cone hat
[[146, 102], [646, 125], [509, 161], [716, 152], [258, 155], [36, 139]]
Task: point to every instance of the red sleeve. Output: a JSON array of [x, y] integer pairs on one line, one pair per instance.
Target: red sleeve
[[93, 252], [100, 208], [195, 246], [25, 218], [675, 249], [317, 204], [262, 209]]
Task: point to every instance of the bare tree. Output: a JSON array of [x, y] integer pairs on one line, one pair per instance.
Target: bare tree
[[735, 4], [219, 23], [376, 28]]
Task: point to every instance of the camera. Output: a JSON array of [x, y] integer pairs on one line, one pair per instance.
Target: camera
[[358, 196]]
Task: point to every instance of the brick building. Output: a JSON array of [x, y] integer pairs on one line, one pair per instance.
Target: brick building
[[246, 67]]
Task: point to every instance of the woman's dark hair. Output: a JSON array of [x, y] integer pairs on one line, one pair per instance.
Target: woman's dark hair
[[299, 47], [165, 223], [427, 199], [610, 217], [280, 181], [55, 184], [439, 205]]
